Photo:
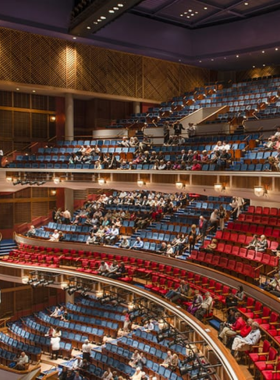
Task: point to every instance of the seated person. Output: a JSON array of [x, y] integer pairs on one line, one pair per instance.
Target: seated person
[[167, 360], [138, 244], [124, 243], [31, 232], [22, 362], [253, 243], [55, 236], [91, 239], [181, 292], [112, 270], [204, 307], [103, 268], [262, 244], [244, 343], [211, 246]]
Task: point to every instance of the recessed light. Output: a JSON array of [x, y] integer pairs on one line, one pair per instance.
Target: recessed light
[[254, 67], [33, 91], [264, 65], [74, 38], [88, 27], [116, 8], [103, 17], [111, 11], [276, 49], [212, 59], [196, 13], [185, 13], [95, 22], [237, 56], [190, 10], [205, 8], [200, 61], [246, 3], [120, 5], [17, 89], [225, 57], [181, 15], [188, 16], [99, 20], [179, 60], [263, 51], [192, 14]]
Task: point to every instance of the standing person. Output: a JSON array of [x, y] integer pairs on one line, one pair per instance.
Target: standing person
[[55, 347], [214, 220], [67, 216], [178, 127], [192, 237], [234, 208], [166, 132], [222, 215], [202, 225], [86, 350]]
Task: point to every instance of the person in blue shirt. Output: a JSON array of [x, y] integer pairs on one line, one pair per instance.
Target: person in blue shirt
[[138, 244]]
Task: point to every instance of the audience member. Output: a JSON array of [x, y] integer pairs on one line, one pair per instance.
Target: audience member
[[22, 362]]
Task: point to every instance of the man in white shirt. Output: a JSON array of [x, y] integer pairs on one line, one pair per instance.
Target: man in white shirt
[[22, 362], [86, 350], [103, 268], [55, 346], [55, 236], [244, 344], [205, 306]]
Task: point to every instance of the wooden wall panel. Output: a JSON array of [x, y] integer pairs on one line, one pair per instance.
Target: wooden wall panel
[[165, 178], [6, 216], [39, 209], [258, 72], [22, 213], [245, 182], [32, 59], [204, 180], [6, 122], [23, 299]]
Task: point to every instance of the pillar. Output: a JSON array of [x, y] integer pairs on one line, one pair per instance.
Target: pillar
[[69, 117], [136, 107], [69, 200], [69, 298]]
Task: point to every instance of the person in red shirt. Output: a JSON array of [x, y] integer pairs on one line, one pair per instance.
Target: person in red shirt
[[230, 330], [196, 166]]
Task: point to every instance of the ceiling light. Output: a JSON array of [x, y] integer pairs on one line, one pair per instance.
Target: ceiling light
[[88, 27], [17, 89], [181, 15], [74, 38], [185, 13], [120, 5], [190, 10], [246, 3], [116, 8], [200, 61], [95, 22], [205, 8], [254, 67], [237, 56], [225, 57], [276, 49], [264, 65], [188, 16], [111, 11], [192, 14], [263, 51], [99, 20], [103, 18], [212, 59], [196, 13], [33, 91]]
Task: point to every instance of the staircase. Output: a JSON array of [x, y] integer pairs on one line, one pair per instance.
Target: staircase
[[6, 246]]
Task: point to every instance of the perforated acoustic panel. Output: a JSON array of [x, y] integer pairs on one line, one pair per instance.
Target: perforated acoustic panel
[[33, 59]]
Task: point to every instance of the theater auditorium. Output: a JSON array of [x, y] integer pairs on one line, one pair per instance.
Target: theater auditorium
[[140, 207]]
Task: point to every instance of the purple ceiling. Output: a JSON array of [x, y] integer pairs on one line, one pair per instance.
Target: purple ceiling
[[216, 34]]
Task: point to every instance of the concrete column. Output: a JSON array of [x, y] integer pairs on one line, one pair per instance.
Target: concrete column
[[69, 298], [69, 200], [69, 117], [136, 107]]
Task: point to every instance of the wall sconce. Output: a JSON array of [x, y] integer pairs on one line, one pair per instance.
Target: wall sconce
[[9, 179], [52, 118], [141, 183], [260, 191], [56, 180], [218, 187], [25, 279], [179, 185], [101, 181], [53, 192]]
